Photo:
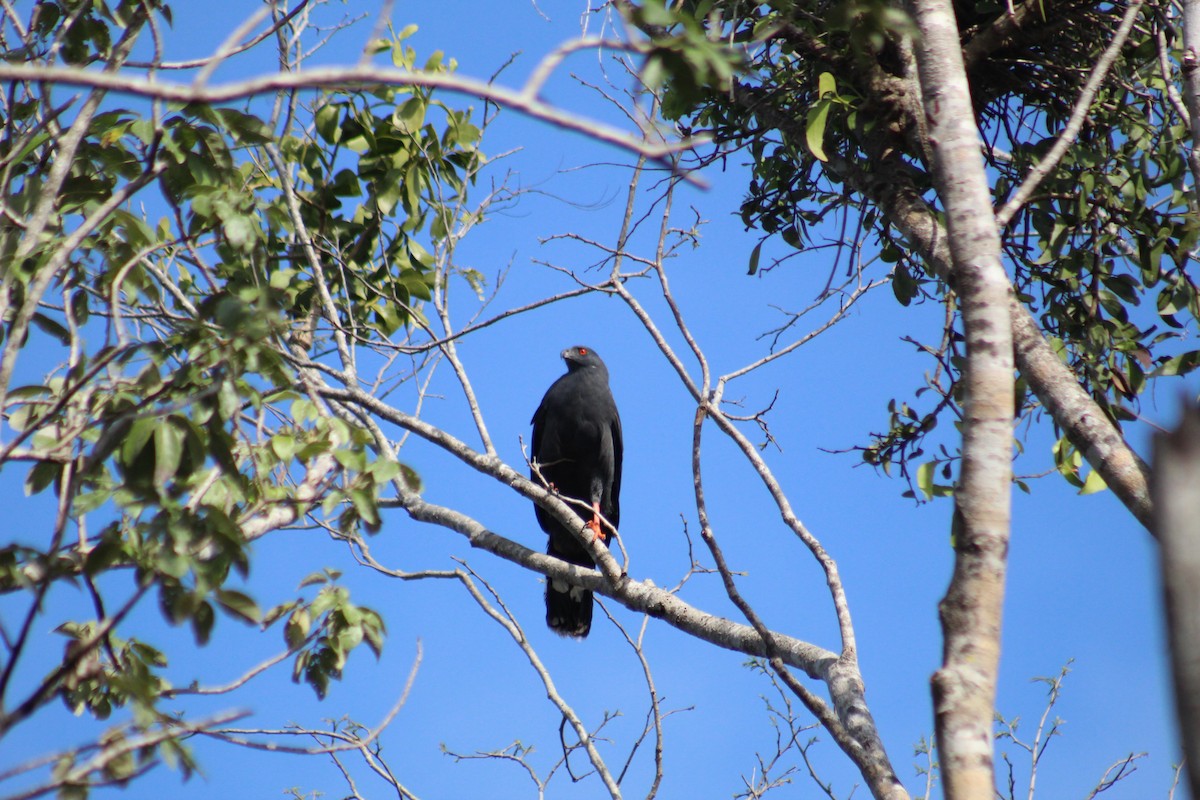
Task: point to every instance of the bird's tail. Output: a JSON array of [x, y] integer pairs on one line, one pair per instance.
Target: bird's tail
[[568, 608]]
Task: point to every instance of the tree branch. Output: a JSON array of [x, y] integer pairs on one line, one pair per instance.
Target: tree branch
[[346, 78], [1177, 524], [964, 689]]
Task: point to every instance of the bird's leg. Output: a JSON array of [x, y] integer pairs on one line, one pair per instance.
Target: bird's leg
[[594, 522]]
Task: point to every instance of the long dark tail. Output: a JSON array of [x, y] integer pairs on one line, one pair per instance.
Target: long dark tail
[[568, 609]]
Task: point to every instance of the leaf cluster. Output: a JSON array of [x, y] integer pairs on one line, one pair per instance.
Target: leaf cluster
[[827, 114], [173, 274]]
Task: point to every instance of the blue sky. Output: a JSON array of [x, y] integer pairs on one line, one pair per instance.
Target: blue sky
[[1082, 574]]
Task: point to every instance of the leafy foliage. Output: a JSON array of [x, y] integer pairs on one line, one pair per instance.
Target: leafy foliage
[[154, 360], [194, 297], [827, 115]]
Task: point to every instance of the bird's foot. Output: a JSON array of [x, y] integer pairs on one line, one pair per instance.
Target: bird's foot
[[594, 526]]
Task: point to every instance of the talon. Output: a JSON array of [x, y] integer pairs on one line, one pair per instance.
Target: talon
[[594, 524]]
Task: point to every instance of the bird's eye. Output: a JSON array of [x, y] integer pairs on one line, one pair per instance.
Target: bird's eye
[[583, 351]]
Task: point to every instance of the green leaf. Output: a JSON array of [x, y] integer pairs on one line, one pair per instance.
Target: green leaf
[[826, 84], [239, 605], [389, 193], [241, 232], [297, 628], [276, 613], [326, 121], [754, 255], [249, 128], [364, 504], [373, 630], [412, 479], [348, 639], [42, 475], [903, 285], [382, 470], [283, 445], [925, 478], [320, 577], [109, 551], [135, 440], [328, 598], [814, 129], [410, 116], [1179, 365], [653, 72], [351, 459], [1068, 461], [1094, 483], [168, 451], [202, 622], [51, 327]]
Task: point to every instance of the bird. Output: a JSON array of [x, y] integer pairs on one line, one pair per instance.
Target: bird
[[577, 451]]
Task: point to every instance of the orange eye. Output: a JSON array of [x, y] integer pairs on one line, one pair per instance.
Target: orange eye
[[583, 351]]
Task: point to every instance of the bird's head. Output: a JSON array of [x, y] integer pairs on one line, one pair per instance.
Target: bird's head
[[580, 357]]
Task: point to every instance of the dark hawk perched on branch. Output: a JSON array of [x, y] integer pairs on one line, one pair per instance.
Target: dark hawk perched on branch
[[577, 449]]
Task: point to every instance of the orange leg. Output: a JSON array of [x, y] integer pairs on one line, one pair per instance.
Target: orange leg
[[594, 523]]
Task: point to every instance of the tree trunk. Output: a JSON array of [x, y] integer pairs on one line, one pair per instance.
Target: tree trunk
[[964, 689], [1177, 525]]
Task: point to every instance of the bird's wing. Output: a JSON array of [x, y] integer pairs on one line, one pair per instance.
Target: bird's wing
[[618, 453], [539, 424], [544, 433]]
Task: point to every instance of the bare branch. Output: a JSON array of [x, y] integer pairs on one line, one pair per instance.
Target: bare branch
[[345, 78], [349, 742], [81, 774], [509, 622], [1116, 773]]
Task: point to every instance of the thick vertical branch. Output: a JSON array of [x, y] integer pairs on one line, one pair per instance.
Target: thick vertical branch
[[964, 689], [1177, 525], [1191, 77]]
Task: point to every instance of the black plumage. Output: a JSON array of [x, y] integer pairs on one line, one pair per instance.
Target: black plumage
[[577, 448]]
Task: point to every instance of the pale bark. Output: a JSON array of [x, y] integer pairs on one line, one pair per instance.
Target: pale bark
[[1177, 487], [964, 689], [524, 100], [1080, 418], [1177, 525], [1191, 82]]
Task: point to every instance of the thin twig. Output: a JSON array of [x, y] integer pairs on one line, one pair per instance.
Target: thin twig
[[1079, 112]]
